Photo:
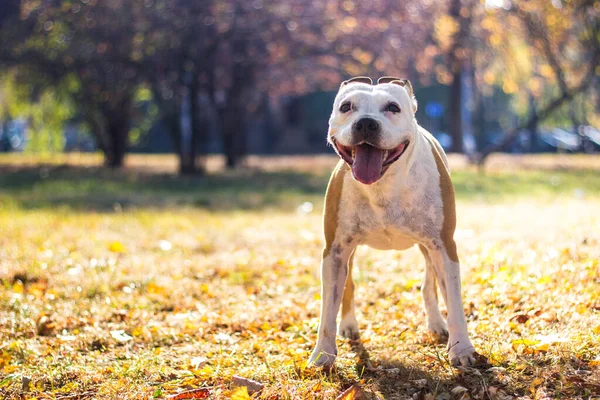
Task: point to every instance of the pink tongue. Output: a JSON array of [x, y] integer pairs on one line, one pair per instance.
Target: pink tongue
[[368, 163]]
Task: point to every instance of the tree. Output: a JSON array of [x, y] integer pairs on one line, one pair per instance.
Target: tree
[[564, 41], [90, 44]]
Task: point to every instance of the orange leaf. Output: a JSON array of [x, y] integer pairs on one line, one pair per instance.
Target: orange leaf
[[201, 393], [352, 393]]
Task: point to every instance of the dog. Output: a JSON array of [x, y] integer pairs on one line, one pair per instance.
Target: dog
[[390, 190]]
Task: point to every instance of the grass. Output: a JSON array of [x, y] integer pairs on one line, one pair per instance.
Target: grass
[[140, 285]]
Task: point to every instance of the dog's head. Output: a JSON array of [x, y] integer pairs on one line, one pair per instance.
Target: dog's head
[[371, 126]]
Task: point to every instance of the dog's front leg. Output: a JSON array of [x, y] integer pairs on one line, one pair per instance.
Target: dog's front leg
[[334, 270], [447, 271]]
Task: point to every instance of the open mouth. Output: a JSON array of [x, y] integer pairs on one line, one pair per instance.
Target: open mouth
[[368, 162]]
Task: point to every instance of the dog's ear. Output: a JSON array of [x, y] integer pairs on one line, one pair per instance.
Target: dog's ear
[[388, 79], [361, 79], [405, 83]]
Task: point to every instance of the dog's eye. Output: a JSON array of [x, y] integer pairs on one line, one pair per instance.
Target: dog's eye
[[344, 108], [393, 107]]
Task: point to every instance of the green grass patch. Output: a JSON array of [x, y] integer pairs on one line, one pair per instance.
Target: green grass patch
[[94, 188]]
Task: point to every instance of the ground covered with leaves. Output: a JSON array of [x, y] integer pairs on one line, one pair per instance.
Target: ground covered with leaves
[[135, 284]]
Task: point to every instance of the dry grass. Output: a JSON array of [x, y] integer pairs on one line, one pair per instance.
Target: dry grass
[[159, 298]]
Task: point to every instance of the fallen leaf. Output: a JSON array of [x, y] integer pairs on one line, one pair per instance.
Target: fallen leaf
[[520, 318], [116, 247], [536, 382], [458, 391], [240, 393], [420, 383], [317, 387], [198, 362], [545, 341], [164, 245], [496, 393], [525, 342], [66, 338], [120, 335], [201, 393], [352, 393], [156, 289], [45, 326], [18, 287], [251, 385], [25, 382]]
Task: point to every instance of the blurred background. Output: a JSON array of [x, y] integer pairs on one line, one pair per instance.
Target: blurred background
[[163, 165], [236, 77]]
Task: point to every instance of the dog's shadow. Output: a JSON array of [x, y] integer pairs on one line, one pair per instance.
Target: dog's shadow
[[394, 379]]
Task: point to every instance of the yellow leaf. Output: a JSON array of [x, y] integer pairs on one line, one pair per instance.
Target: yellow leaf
[[538, 343], [542, 346], [545, 279], [154, 288], [18, 287], [581, 309], [137, 331], [116, 247], [204, 372], [595, 362], [537, 382], [240, 393], [525, 342], [317, 387]]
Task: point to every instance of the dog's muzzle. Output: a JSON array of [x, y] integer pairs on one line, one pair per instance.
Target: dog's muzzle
[[369, 162]]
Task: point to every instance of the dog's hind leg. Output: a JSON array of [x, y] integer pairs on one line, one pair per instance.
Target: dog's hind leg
[[435, 321], [348, 327], [447, 273]]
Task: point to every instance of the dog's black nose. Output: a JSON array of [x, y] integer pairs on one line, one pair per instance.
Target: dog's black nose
[[366, 128]]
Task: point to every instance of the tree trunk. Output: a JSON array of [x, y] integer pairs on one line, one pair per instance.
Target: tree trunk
[[532, 126], [455, 110], [455, 64], [118, 132], [231, 122], [173, 122], [478, 117], [189, 165], [116, 118], [8, 9], [228, 122]]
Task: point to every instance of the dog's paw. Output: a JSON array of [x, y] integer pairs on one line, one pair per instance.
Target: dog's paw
[[322, 358], [439, 329], [349, 327], [462, 353]]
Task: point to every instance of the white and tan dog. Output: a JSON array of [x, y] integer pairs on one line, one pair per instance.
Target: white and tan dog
[[390, 190]]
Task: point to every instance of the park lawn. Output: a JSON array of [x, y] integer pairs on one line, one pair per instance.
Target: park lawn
[[137, 284]]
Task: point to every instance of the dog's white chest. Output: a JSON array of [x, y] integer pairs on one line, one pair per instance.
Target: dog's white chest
[[391, 219]]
